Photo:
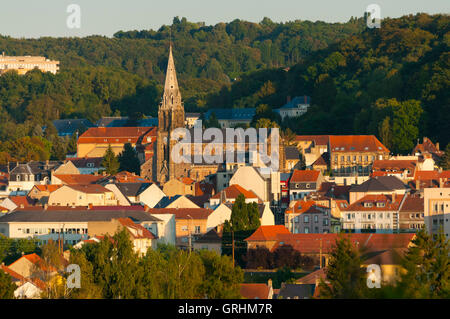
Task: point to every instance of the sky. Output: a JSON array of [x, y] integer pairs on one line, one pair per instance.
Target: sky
[[38, 18]]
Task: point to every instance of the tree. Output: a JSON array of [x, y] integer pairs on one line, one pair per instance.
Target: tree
[[129, 160], [344, 274], [259, 257], [405, 127], [385, 132], [244, 216], [7, 287], [88, 288], [445, 160], [222, 280], [110, 161], [427, 268]]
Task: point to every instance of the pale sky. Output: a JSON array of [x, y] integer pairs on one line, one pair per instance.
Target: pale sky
[[36, 18]]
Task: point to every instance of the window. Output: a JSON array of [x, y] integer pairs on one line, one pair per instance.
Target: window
[[316, 218], [306, 219], [184, 228], [306, 230], [197, 230]]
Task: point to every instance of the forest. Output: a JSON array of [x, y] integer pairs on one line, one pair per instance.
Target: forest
[[392, 82]]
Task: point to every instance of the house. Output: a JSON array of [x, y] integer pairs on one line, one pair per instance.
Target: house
[[303, 182], [134, 192], [437, 210], [390, 262], [266, 185], [377, 186], [430, 179], [191, 119], [178, 201], [312, 147], [75, 179], [27, 288], [296, 291], [353, 155], [68, 127], [212, 240], [231, 193], [41, 193], [403, 169], [294, 108], [284, 184], [87, 165], [190, 223], [411, 214], [142, 238], [228, 118], [320, 246], [30, 265], [427, 147], [373, 213], [292, 158], [266, 236], [95, 141], [179, 186], [308, 217], [257, 291], [266, 216], [82, 195], [72, 225], [322, 163]]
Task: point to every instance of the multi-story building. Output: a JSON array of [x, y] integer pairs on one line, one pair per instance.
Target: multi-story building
[[411, 214], [23, 64], [293, 108], [96, 140], [303, 182], [437, 210], [304, 217], [353, 155], [373, 213]]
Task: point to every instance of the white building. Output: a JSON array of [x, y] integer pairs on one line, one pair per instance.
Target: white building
[[437, 210]]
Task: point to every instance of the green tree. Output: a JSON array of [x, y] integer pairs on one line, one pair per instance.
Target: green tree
[[222, 280], [405, 126], [7, 287], [88, 289], [344, 274], [427, 268], [445, 160], [110, 161], [129, 160]]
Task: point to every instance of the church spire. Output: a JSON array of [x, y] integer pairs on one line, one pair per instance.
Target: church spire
[[171, 89]]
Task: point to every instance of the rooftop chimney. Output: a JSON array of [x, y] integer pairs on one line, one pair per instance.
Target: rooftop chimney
[[441, 182], [437, 146]]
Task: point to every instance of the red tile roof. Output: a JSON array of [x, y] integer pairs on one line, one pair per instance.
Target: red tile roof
[[427, 147], [304, 176], [395, 166], [112, 135], [426, 175], [22, 201], [141, 231], [183, 213], [413, 204], [255, 291], [317, 139], [47, 188], [310, 243], [356, 143], [90, 188], [233, 191], [386, 199], [70, 179], [127, 177], [264, 233], [301, 206]]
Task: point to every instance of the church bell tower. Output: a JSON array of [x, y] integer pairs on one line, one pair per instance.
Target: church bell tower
[[170, 116]]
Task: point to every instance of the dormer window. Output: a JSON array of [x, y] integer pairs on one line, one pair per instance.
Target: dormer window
[[381, 204], [367, 204]]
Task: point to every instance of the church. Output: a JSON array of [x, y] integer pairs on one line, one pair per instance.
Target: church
[[157, 163]]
